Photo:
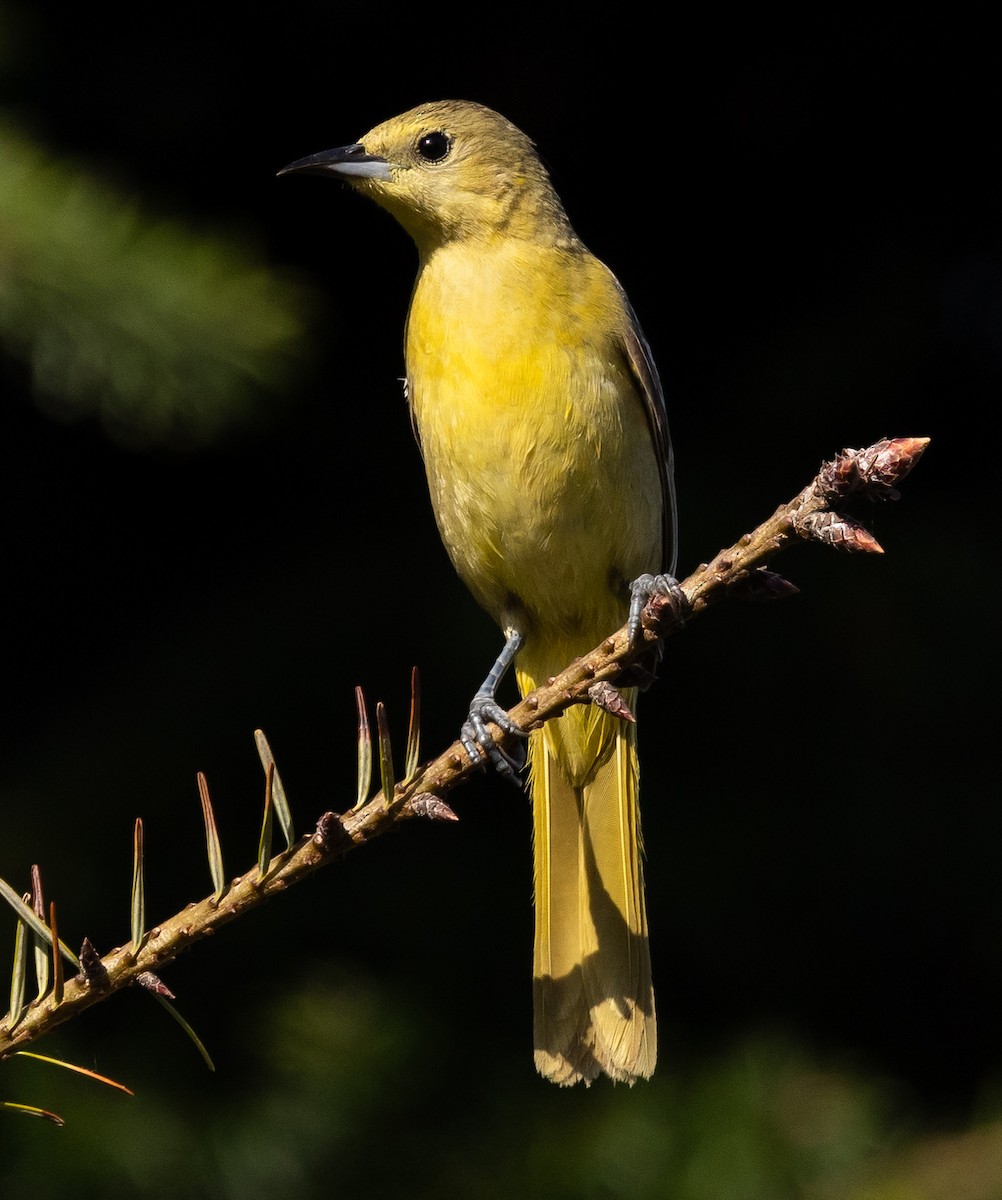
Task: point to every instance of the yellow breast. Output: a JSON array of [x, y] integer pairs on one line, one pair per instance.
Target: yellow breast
[[540, 464]]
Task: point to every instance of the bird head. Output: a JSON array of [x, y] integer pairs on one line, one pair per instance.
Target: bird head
[[448, 171]]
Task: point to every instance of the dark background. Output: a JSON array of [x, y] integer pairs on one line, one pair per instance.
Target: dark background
[[807, 221]]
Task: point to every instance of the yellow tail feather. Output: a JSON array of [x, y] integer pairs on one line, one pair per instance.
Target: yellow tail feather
[[592, 994]]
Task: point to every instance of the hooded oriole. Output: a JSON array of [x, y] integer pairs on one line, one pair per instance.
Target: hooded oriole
[[544, 434]]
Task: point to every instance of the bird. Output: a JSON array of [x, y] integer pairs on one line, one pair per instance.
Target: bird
[[542, 423]]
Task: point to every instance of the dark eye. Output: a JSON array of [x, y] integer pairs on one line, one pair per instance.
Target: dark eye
[[433, 147]]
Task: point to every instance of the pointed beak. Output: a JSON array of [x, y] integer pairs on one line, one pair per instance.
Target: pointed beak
[[343, 160]]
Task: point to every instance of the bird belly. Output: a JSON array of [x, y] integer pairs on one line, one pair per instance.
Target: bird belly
[[543, 480]]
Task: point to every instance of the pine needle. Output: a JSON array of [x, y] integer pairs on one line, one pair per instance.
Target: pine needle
[[57, 958], [385, 754], [187, 1028], [364, 750], [212, 847], [29, 1110], [138, 889], [37, 926], [413, 727], [281, 804], [68, 1066], [19, 973], [264, 843], [41, 947]]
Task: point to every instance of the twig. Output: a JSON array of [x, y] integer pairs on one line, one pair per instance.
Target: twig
[[814, 515]]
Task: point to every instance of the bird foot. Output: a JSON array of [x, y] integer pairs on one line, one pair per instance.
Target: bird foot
[[479, 744], [645, 588]]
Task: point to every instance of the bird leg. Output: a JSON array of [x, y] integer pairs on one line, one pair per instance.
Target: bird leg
[[475, 736]]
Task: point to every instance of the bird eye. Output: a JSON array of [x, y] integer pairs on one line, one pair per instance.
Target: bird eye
[[433, 147]]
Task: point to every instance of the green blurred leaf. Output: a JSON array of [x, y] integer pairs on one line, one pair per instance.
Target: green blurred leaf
[[170, 335]]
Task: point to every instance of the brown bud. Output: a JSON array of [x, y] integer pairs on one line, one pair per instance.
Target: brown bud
[[91, 966], [153, 983], [610, 700], [330, 833], [873, 471], [425, 804], [834, 529], [760, 584]]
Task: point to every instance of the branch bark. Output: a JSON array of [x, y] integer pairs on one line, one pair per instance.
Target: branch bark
[[816, 514]]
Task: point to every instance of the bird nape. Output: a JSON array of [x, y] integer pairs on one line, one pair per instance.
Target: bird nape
[[543, 428]]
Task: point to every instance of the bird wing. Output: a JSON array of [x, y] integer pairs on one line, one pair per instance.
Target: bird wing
[[638, 354]]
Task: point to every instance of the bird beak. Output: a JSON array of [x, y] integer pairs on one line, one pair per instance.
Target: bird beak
[[343, 160]]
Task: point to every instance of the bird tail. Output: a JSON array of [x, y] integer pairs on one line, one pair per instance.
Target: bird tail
[[592, 995]]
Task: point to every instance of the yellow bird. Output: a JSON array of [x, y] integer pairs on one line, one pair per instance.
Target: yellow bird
[[544, 434]]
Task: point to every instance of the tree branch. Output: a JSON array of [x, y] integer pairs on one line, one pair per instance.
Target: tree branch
[[814, 515]]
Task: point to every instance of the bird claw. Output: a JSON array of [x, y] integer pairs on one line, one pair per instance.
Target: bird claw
[[645, 588], [478, 743]]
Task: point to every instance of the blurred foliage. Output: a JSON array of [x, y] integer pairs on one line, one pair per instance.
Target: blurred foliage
[[168, 335], [339, 1067]]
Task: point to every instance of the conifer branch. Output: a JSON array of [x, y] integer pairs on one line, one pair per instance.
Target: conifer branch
[[816, 514]]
